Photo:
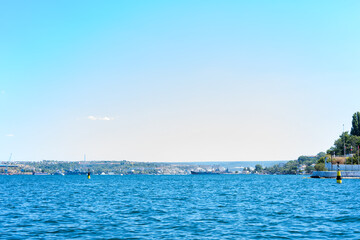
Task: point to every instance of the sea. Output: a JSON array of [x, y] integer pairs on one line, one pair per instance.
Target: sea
[[178, 207]]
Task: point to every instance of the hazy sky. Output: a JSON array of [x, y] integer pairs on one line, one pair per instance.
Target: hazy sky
[[176, 80]]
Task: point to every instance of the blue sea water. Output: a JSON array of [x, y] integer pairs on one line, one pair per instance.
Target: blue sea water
[[178, 207]]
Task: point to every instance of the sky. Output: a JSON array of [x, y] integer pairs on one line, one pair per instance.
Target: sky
[[176, 81]]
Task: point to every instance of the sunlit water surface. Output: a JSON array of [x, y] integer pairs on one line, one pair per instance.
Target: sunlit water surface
[[178, 207]]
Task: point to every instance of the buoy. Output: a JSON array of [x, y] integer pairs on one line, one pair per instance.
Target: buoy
[[338, 177], [89, 174]]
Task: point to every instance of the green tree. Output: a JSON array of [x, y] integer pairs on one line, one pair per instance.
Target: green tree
[[355, 130], [355, 142], [309, 160], [353, 160], [320, 154], [309, 169], [320, 167], [338, 148], [321, 160], [258, 168], [290, 167]]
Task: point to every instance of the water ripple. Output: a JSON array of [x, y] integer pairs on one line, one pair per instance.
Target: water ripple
[[178, 207]]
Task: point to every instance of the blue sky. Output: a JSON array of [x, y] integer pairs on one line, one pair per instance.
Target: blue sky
[[176, 80]]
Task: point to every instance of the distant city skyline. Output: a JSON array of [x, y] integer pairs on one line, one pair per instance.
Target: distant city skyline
[[167, 81]]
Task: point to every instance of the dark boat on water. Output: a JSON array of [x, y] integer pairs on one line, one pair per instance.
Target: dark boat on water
[[204, 173], [75, 172]]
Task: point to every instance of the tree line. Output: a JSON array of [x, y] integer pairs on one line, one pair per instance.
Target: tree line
[[347, 144]]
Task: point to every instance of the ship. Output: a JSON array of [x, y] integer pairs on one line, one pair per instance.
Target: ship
[[204, 173], [40, 173], [213, 172], [75, 172]]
